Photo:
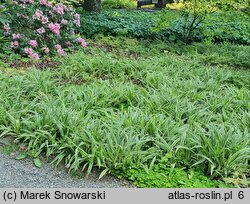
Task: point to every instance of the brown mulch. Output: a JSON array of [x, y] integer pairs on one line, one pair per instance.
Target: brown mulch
[[44, 64], [137, 82], [111, 49]]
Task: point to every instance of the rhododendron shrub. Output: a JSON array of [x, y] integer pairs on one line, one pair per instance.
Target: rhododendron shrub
[[39, 28]]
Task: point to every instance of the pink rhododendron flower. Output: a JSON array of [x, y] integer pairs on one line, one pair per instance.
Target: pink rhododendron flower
[[59, 49], [82, 42], [67, 43], [22, 16], [64, 22], [77, 20], [57, 46], [38, 15], [61, 52], [41, 30], [54, 28], [28, 51], [33, 43], [46, 50], [14, 44], [43, 2], [46, 3], [35, 56], [77, 16], [44, 20], [59, 9], [6, 28], [16, 36]]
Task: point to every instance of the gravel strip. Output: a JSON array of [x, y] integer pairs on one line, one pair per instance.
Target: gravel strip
[[23, 174]]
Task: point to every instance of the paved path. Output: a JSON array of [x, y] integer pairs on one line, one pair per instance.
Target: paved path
[[23, 174]]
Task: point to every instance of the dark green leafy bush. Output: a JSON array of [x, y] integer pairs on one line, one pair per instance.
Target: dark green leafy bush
[[228, 27], [140, 25], [41, 28], [135, 24], [3, 20]]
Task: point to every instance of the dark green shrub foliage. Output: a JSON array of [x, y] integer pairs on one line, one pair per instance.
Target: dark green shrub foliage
[[219, 27], [39, 28], [229, 27]]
